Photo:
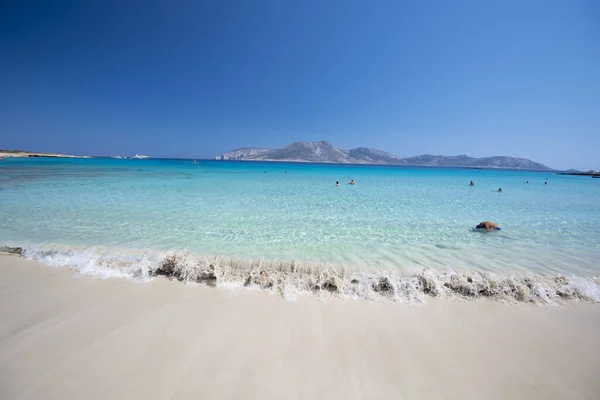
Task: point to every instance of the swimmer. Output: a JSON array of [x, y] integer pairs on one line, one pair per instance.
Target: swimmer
[[545, 183], [472, 183], [527, 182], [499, 190], [351, 182], [487, 225], [337, 183]]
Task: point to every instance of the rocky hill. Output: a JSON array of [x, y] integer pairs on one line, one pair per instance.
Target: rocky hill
[[373, 156], [466, 161], [325, 152], [245, 153]]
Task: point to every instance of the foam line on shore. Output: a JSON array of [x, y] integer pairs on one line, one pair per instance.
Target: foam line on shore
[[290, 278]]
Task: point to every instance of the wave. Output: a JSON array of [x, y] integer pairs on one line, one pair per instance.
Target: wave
[[290, 278]]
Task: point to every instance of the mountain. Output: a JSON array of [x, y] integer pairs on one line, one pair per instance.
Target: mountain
[[508, 162], [591, 172], [372, 156], [325, 152], [245, 153], [440, 161], [466, 161], [298, 151], [314, 152]]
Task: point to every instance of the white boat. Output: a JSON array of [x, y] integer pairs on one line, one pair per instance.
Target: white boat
[[119, 157], [195, 162], [140, 157]]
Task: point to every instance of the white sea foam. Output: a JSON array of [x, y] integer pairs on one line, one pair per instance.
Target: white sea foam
[[290, 278]]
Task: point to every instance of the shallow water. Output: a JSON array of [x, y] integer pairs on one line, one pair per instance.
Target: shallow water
[[395, 219]]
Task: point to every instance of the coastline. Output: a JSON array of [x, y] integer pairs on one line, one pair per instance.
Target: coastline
[[289, 279], [70, 336], [550, 170], [25, 154], [591, 173]]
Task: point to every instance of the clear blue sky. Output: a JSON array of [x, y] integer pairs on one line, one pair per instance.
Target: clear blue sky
[[197, 78]]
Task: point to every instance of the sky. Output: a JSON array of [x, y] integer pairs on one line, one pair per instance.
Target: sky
[[197, 78]]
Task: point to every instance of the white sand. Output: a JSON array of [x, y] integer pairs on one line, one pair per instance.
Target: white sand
[[19, 153], [67, 336]]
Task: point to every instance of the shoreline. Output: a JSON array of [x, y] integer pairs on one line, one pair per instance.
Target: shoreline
[[290, 279], [32, 154], [26, 154], [70, 336]]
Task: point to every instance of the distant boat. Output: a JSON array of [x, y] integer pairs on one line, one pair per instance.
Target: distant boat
[[119, 157], [140, 157], [195, 162]]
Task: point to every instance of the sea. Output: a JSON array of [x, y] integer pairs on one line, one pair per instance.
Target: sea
[[400, 233]]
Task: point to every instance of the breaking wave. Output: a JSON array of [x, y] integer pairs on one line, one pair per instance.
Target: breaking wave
[[290, 278]]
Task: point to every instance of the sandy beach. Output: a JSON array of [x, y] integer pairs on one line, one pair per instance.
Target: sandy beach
[[66, 335], [20, 153]]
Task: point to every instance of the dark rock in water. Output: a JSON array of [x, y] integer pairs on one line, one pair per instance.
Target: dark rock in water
[[12, 250]]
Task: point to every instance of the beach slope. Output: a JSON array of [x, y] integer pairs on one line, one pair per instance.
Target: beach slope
[[65, 335]]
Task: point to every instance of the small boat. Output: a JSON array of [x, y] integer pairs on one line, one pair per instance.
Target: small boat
[[595, 176], [140, 157], [118, 157], [195, 162]]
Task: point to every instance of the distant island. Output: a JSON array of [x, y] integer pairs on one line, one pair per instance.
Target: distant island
[[20, 153], [592, 173], [325, 152]]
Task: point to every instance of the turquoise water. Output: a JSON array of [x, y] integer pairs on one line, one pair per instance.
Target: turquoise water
[[395, 219]]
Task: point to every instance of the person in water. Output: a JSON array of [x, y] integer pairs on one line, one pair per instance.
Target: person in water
[[487, 225], [499, 190], [472, 183], [337, 183], [545, 183], [351, 182]]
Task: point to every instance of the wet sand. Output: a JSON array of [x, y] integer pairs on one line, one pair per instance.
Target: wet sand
[[65, 335]]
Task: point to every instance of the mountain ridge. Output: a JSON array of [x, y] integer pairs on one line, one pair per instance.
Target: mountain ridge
[[325, 152]]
